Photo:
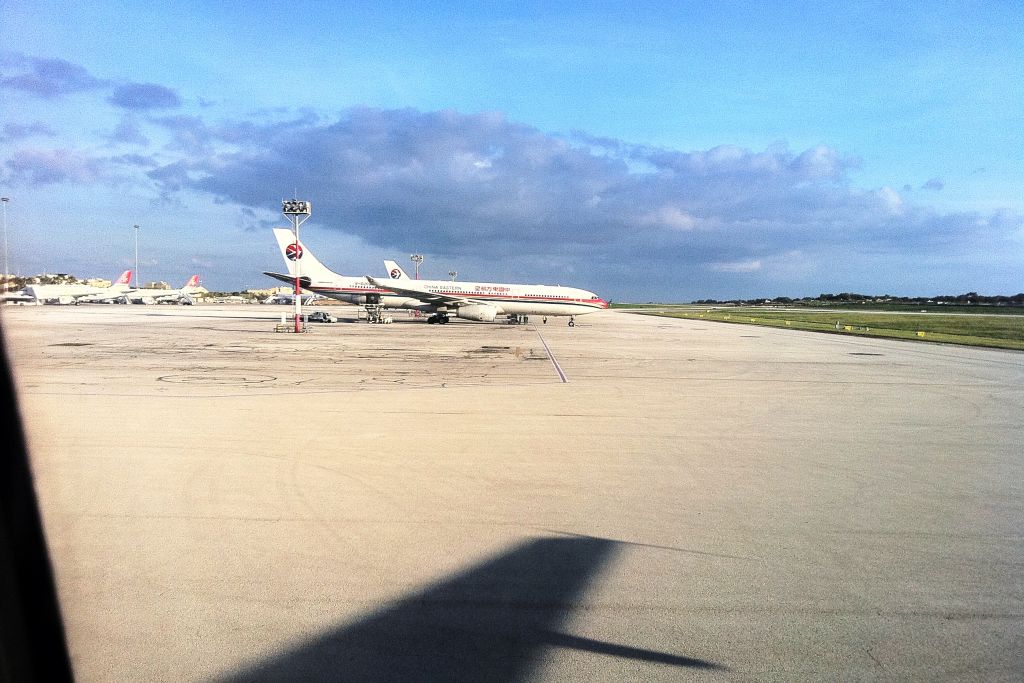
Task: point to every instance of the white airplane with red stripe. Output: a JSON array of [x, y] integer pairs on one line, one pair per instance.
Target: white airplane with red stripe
[[441, 299], [482, 301], [485, 301], [157, 296], [79, 293]]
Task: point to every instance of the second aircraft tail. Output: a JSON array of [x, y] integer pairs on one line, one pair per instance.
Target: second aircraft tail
[[395, 271]]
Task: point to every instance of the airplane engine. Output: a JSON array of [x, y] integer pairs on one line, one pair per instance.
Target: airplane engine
[[481, 312]]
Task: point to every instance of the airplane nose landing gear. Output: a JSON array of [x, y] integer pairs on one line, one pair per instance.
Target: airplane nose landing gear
[[572, 321]]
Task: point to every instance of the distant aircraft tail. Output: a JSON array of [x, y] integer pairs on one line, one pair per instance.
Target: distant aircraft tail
[[193, 283], [297, 255], [126, 278], [395, 271]]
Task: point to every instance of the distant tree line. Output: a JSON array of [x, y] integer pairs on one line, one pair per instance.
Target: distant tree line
[[968, 299]]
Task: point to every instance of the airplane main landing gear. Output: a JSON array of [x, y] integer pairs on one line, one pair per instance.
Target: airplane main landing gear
[[518, 319], [439, 318]]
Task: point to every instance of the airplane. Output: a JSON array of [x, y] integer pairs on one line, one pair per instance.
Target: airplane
[[79, 293], [157, 296], [484, 301], [468, 300]]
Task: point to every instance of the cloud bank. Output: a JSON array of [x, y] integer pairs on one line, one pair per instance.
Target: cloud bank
[[477, 187], [144, 97], [45, 78]]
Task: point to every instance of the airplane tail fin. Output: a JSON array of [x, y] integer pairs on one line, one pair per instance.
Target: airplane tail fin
[[395, 271], [193, 282], [125, 279], [296, 255]]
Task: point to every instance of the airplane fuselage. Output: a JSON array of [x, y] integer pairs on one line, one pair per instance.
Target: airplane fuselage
[[350, 290], [69, 294], [510, 299], [513, 299]]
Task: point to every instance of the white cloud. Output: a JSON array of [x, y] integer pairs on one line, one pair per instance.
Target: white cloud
[[670, 217], [51, 166], [747, 266], [477, 187], [891, 199]]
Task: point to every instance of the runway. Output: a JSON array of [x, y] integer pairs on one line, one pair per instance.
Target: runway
[[412, 501]]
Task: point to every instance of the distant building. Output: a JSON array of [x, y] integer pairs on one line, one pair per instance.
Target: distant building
[[270, 291]]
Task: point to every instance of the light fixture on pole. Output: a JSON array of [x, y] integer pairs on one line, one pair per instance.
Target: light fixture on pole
[[417, 259], [296, 211], [137, 280], [5, 200], [453, 274]]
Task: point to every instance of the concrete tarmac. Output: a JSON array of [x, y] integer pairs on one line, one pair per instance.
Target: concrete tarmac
[[420, 502]]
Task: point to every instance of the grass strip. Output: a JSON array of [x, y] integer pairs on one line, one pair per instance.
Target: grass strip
[[994, 331]]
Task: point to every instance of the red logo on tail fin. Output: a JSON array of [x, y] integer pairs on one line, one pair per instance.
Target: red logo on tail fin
[[193, 281], [126, 278]]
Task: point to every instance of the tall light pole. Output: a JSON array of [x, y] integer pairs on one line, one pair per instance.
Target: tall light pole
[[137, 280], [453, 274], [417, 259], [5, 200], [296, 212]]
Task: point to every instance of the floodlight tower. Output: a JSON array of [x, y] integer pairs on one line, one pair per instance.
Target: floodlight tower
[[417, 259], [296, 211], [453, 274], [5, 200], [137, 280]]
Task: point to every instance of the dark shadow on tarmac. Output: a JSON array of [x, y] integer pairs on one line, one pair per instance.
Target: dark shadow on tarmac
[[489, 623]]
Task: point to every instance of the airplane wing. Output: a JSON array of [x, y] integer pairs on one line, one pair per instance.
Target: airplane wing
[[304, 280], [435, 298], [172, 295], [104, 296]]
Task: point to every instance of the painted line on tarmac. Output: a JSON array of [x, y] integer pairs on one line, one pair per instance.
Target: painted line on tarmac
[[551, 356]]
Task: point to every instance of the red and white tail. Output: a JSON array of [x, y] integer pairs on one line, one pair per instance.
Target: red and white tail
[[125, 279], [395, 271], [293, 252], [193, 282]]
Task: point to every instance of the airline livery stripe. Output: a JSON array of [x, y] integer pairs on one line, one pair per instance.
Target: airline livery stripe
[[522, 299]]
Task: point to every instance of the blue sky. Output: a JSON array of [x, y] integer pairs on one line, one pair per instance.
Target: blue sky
[[647, 151]]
